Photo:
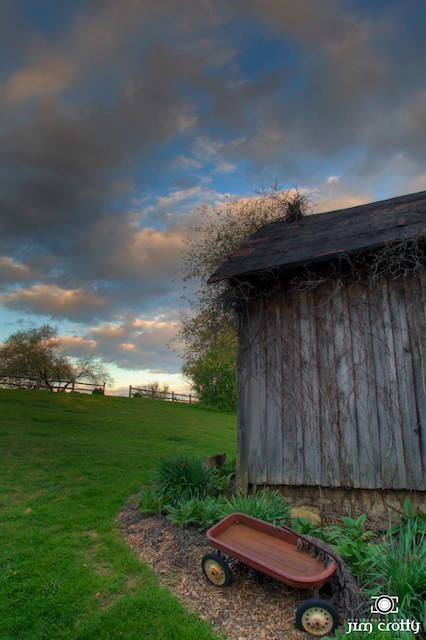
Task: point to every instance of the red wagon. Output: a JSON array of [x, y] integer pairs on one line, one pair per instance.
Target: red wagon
[[273, 551]]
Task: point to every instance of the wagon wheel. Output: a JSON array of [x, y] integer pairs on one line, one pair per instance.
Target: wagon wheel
[[216, 570], [317, 617]]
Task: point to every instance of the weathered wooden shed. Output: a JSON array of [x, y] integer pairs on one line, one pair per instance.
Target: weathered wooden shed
[[331, 372]]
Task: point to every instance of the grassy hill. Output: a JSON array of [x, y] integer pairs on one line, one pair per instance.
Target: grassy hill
[[68, 464]]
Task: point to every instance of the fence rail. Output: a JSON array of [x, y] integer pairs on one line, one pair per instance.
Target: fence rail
[[29, 382], [170, 396], [32, 382]]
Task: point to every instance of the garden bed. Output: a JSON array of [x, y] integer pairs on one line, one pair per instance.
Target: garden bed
[[252, 608]]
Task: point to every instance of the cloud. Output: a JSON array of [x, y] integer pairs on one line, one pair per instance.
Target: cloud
[[12, 271], [120, 119], [52, 300], [179, 205], [333, 180], [117, 265], [132, 343], [344, 81], [210, 151], [105, 94], [339, 199], [78, 346], [149, 253], [51, 76], [185, 162]]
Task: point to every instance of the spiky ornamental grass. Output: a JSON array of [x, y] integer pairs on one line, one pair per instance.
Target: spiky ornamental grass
[[402, 568], [180, 477], [266, 505]]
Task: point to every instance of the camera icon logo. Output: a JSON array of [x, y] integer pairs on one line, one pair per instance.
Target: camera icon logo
[[384, 604]]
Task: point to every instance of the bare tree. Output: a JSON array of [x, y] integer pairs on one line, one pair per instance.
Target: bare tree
[[208, 330], [34, 358]]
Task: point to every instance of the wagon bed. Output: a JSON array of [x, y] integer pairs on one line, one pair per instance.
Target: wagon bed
[[270, 550]]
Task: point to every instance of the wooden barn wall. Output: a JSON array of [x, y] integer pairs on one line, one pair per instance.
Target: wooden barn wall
[[332, 387]]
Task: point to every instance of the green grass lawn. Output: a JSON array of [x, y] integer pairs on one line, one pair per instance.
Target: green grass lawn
[[68, 464]]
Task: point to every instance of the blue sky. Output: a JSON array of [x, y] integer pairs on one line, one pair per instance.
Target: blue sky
[[120, 119]]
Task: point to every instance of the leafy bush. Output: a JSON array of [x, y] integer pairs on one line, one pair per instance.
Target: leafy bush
[[410, 514], [200, 513], [402, 568], [184, 513], [350, 539], [229, 468], [181, 477], [151, 502], [354, 544], [224, 477], [213, 371], [305, 526], [210, 511], [396, 564], [266, 505]]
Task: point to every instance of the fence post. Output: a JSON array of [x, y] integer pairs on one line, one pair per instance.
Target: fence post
[[72, 386], [130, 391], [189, 398], [103, 387], [173, 396]]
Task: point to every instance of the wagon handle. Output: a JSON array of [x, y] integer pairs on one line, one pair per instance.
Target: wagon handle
[[313, 542], [325, 553]]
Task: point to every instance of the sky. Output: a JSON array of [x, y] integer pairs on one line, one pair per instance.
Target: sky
[[119, 120]]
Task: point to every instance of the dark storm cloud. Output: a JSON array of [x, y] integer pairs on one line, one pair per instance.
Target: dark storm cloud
[[92, 104], [90, 107], [361, 83]]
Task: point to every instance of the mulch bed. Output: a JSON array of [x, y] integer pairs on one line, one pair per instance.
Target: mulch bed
[[254, 607]]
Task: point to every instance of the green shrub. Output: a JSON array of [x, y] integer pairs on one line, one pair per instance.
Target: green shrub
[[358, 546], [214, 377], [305, 526], [200, 513], [410, 514], [210, 511], [266, 505], [184, 513], [229, 468], [355, 544], [151, 502], [395, 565], [402, 568], [181, 477]]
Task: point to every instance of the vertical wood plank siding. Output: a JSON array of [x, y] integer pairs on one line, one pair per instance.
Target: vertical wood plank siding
[[332, 387]]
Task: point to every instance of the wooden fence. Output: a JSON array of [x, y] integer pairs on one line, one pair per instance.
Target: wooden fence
[[170, 396], [28, 382]]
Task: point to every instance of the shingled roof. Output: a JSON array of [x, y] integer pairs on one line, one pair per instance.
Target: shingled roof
[[327, 236]]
